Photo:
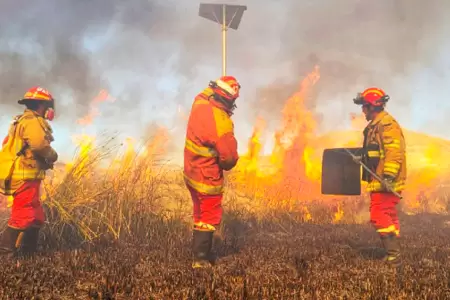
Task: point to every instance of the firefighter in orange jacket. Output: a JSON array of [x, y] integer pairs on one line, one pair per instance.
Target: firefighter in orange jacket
[[210, 148], [384, 153], [25, 156]]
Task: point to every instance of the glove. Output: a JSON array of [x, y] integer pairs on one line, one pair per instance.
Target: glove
[[49, 164], [44, 164], [388, 180], [357, 159]]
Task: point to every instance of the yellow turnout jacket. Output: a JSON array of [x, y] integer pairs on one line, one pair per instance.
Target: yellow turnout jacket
[[385, 152], [27, 153]]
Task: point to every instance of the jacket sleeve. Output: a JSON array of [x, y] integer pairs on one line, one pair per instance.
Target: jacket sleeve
[[226, 144], [393, 145], [37, 140]]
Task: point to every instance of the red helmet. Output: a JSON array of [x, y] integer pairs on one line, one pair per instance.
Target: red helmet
[[372, 96], [37, 93], [227, 87]]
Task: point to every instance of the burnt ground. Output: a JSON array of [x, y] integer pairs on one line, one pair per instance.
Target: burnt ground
[[259, 261]]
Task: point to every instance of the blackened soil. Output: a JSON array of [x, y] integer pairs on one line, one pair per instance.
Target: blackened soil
[[258, 261]]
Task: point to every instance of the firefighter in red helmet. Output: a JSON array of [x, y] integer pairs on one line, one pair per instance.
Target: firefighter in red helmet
[[384, 153], [25, 156], [210, 148]]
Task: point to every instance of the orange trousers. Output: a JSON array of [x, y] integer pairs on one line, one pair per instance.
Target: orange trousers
[[26, 209], [207, 209], [383, 213]]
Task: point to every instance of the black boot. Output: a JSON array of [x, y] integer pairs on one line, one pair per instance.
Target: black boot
[[30, 241], [218, 245], [10, 243], [201, 248], [392, 246]]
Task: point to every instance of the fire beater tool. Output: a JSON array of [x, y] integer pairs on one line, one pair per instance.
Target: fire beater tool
[[387, 185]]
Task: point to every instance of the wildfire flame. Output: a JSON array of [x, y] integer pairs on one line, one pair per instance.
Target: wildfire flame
[[291, 164], [289, 176], [102, 96], [291, 173]]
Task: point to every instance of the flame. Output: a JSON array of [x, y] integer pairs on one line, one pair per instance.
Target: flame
[[338, 215], [290, 175], [85, 144], [102, 96], [292, 160], [255, 145]]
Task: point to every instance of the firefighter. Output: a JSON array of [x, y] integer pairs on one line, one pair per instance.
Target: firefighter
[[25, 156], [384, 154], [210, 149]]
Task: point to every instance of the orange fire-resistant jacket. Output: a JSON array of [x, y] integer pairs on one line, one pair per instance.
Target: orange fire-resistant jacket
[[26, 153], [210, 146], [385, 149]]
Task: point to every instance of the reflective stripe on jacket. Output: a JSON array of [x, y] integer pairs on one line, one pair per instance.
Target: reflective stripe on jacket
[[26, 153], [385, 152], [210, 145]]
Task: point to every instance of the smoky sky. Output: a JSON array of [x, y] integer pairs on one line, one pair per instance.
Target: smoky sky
[[135, 44], [357, 44]]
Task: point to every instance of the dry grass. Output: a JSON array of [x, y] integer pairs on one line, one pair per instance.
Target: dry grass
[[123, 232]]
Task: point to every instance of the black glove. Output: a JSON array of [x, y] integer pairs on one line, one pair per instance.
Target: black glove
[[388, 179], [44, 164]]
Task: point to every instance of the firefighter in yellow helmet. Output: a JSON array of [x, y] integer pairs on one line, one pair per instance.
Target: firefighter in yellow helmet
[[384, 153], [25, 156]]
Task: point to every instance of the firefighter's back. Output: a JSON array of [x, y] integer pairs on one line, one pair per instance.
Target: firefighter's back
[[201, 168]]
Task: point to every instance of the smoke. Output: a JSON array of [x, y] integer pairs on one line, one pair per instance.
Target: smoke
[[156, 55], [357, 44], [49, 43]]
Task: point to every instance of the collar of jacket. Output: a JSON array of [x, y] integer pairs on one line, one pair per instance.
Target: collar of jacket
[[29, 112], [378, 118], [208, 95], [44, 124]]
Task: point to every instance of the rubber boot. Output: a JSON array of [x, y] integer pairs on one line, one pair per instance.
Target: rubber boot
[[217, 246], [201, 248], [29, 241], [10, 242], [392, 246]]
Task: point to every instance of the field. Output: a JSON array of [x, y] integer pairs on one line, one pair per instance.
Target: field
[[259, 260], [125, 234], [119, 225]]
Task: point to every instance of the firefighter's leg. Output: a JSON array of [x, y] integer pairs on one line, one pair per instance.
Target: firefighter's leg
[[392, 245], [196, 213], [27, 210], [201, 245], [200, 237], [11, 240], [204, 229], [394, 213], [30, 241], [381, 207], [391, 241], [212, 214]]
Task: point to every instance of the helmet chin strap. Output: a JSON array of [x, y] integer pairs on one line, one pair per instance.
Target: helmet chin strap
[[230, 105], [373, 111]]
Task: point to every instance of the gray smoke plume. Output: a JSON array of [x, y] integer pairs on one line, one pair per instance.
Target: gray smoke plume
[[76, 48], [357, 44], [47, 43]]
